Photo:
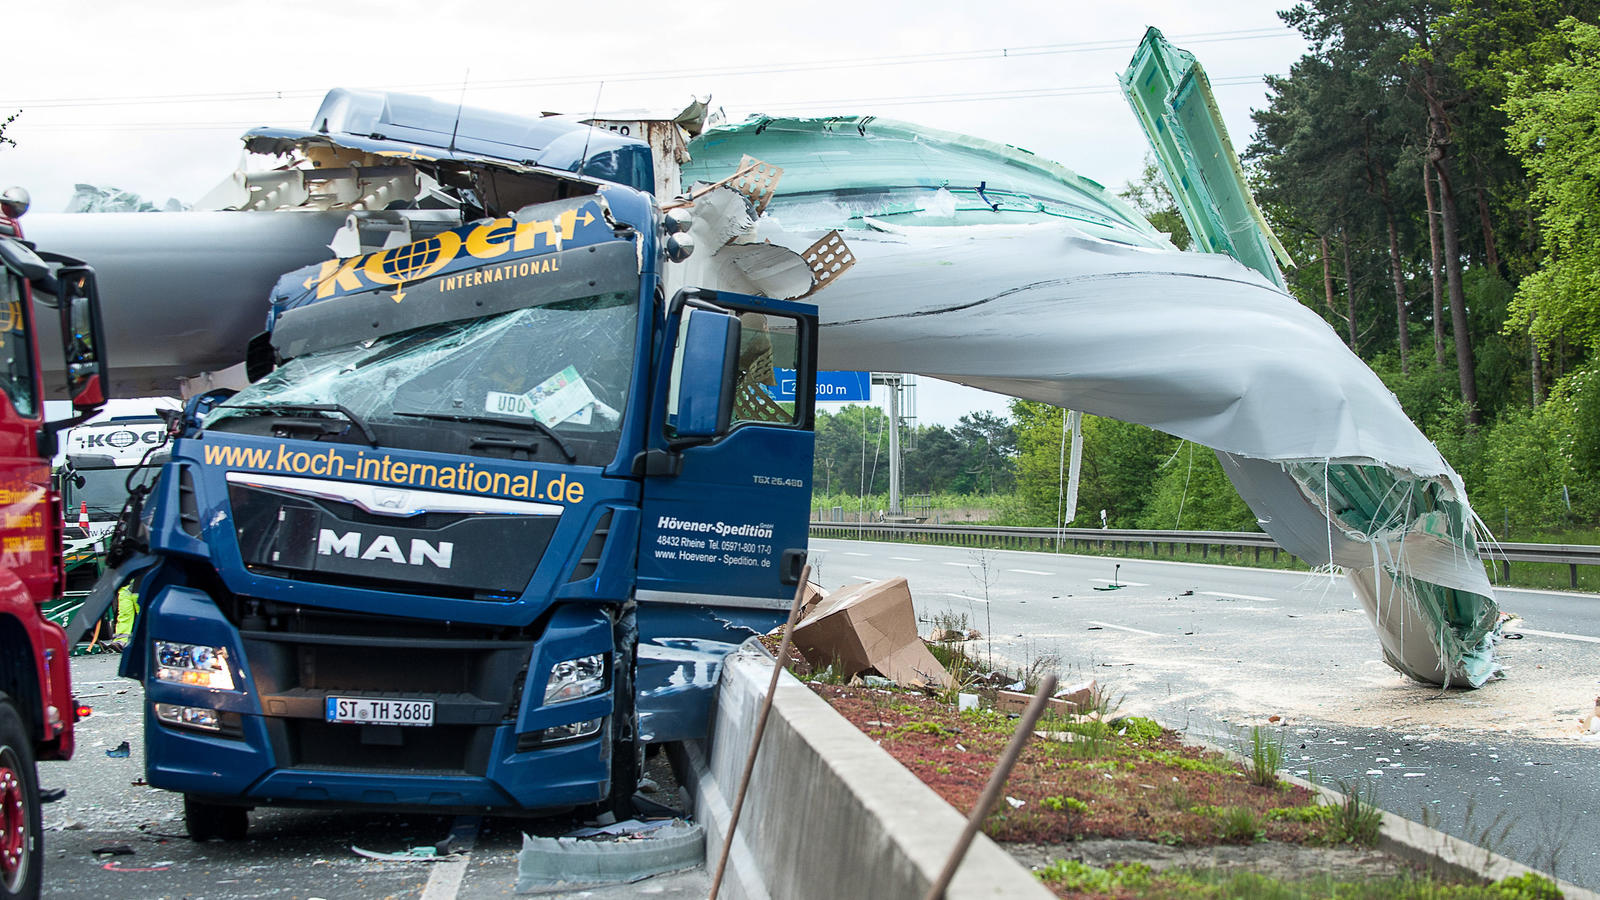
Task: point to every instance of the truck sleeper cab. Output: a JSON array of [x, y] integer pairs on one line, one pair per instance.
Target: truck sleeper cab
[[484, 530]]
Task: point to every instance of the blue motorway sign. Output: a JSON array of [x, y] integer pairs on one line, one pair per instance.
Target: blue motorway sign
[[835, 386]]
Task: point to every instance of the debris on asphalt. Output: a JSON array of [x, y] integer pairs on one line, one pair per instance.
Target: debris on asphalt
[[121, 752], [553, 862], [161, 866], [870, 626], [631, 826], [114, 850], [415, 854]]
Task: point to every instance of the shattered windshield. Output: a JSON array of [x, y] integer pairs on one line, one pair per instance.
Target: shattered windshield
[[547, 382]]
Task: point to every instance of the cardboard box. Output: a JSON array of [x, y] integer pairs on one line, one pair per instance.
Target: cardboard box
[[870, 626], [1071, 700]]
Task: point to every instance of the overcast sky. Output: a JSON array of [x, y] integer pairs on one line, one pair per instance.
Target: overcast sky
[[151, 97]]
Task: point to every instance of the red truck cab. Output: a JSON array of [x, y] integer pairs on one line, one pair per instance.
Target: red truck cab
[[36, 707]]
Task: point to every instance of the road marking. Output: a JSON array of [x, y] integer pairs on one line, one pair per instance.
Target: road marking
[[963, 565], [853, 553], [862, 578], [1030, 572], [965, 597], [1121, 583], [1557, 634], [1125, 628], [1235, 596], [906, 558], [444, 882]]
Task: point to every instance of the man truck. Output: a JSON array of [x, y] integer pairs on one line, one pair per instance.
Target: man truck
[[37, 711], [492, 509]]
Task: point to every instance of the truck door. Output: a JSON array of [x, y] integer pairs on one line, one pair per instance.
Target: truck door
[[725, 515]]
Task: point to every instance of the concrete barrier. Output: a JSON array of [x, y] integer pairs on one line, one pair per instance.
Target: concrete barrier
[[829, 813]]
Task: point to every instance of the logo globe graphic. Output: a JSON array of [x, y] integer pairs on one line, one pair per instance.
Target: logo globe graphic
[[413, 260]]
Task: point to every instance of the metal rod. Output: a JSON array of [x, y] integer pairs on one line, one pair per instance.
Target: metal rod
[[991, 791], [761, 728]]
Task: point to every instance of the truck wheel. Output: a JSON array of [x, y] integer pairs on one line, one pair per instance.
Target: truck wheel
[[208, 820], [21, 843]]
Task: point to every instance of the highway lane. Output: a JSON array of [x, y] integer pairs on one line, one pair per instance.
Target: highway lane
[[1213, 648]]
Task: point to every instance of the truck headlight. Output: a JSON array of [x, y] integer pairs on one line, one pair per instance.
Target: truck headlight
[[574, 678], [194, 664], [190, 716]]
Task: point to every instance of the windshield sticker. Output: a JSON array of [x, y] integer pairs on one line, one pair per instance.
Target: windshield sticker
[[464, 477], [504, 239]]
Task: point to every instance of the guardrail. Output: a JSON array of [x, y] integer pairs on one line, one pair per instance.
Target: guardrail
[[1072, 539]]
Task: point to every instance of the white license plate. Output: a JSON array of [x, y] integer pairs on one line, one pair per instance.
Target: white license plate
[[367, 711]]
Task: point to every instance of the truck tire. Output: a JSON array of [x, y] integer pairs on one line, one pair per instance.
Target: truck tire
[[21, 838], [208, 820]]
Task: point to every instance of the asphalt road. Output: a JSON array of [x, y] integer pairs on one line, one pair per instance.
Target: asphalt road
[[291, 854], [1216, 648]]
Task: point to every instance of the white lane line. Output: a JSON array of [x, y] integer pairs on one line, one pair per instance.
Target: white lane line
[[907, 558], [1030, 572], [1556, 634], [965, 597], [853, 553], [1125, 628], [963, 565], [444, 883], [862, 578], [1122, 583], [1232, 595]]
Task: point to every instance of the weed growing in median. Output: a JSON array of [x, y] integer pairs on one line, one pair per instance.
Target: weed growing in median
[[1357, 820], [1266, 757]]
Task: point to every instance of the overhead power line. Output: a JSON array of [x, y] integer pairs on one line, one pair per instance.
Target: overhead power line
[[721, 72]]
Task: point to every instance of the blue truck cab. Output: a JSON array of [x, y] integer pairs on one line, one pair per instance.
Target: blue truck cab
[[491, 512]]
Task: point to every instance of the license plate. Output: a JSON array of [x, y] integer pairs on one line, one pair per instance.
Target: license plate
[[367, 711]]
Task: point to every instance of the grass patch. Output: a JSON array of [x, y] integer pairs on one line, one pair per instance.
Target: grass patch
[[1069, 877], [1265, 758]]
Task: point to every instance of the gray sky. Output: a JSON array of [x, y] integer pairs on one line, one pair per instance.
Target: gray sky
[[151, 97]]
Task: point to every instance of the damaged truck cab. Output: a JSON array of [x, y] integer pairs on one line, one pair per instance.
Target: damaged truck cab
[[492, 510]]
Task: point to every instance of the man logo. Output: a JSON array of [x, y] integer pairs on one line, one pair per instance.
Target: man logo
[[384, 547]]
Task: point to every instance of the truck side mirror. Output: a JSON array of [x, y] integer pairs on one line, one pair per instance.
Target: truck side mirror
[[704, 372], [81, 338]]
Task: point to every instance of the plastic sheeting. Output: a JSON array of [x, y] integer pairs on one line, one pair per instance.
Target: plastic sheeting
[[1086, 308]]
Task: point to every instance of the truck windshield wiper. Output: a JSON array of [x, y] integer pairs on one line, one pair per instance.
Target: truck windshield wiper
[[526, 424], [339, 408]]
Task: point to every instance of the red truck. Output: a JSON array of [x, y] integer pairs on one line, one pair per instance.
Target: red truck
[[37, 711]]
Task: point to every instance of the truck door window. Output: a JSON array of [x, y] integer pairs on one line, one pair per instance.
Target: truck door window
[[769, 349], [16, 368]]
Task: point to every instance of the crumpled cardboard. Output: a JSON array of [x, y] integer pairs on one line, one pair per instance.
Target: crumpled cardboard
[[870, 626], [809, 600], [1070, 700]]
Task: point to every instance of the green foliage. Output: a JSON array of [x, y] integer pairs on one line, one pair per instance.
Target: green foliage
[[1058, 803], [1120, 460], [1528, 886], [1193, 493], [1152, 197], [1138, 729], [1357, 820], [1304, 814], [1239, 825], [1266, 757], [1071, 875], [1555, 130], [933, 729]]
